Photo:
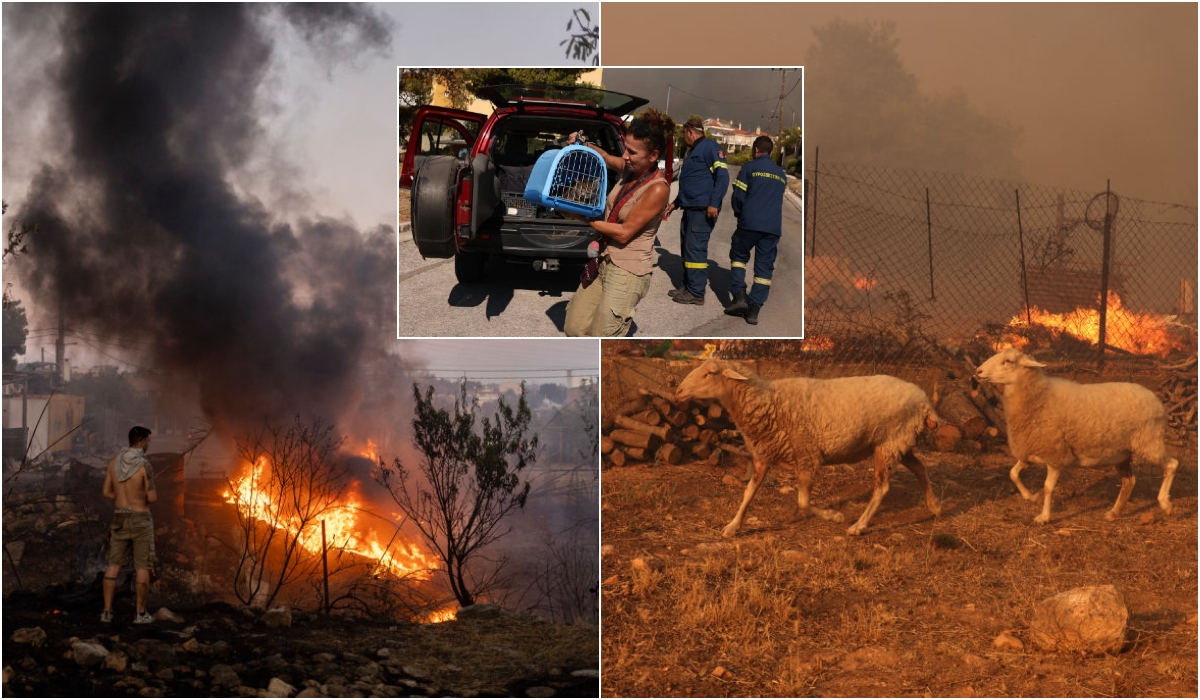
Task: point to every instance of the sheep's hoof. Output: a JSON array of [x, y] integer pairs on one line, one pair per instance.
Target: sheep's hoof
[[855, 530], [837, 517], [1166, 509], [729, 531], [1042, 519], [1111, 515]]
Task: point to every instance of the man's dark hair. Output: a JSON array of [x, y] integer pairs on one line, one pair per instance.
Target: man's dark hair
[[763, 144], [138, 433]]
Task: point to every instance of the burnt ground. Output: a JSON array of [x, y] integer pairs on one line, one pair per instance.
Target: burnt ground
[[337, 656], [794, 608]]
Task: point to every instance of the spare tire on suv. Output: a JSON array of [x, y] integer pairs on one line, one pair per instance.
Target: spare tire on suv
[[433, 206]]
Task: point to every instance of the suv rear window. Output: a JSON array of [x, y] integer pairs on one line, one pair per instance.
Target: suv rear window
[[521, 139]]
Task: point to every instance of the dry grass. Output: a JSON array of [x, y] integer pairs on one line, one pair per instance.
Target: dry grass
[[405, 205], [792, 608]]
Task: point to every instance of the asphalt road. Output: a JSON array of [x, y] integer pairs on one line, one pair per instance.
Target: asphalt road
[[517, 301]]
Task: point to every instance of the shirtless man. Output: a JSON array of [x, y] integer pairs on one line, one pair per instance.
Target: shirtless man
[[130, 482]]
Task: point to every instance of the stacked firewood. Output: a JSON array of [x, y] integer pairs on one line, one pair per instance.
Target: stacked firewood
[[652, 427], [1178, 392], [968, 410]]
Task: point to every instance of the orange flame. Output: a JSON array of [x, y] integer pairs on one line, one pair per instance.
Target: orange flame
[[865, 282], [816, 343], [342, 530], [1141, 334], [444, 615]]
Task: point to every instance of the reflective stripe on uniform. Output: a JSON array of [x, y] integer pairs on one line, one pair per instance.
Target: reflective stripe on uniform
[[696, 266], [762, 280], [735, 263], [718, 164], [739, 184]]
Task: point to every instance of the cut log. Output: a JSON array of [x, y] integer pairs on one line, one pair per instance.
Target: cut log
[[631, 424], [715, 411], [669, 453], [708, 436], [946, 438], [606, 445], [677, 419], [957, 409], [637, 454], [633, 438], [637, 403], [617, 458], [662, 405], [714, 457], [690, 432], [701, 451], [648, 416]]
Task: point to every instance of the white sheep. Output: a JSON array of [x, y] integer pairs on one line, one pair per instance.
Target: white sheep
[[1060, 424], [804, 423]]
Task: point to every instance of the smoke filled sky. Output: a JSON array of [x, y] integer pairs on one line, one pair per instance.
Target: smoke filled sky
[[1097, 90], [309, 131], [749, 96], [214, 188]]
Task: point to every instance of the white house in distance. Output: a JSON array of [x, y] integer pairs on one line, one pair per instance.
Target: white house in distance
[[732, 136]]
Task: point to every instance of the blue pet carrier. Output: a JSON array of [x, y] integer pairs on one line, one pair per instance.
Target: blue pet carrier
[[572, 179]]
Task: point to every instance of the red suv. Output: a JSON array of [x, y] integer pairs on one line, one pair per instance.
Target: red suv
[[468, 173]]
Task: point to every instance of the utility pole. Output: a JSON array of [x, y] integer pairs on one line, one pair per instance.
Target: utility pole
[[782, 91], [668, 109], [60, 350]]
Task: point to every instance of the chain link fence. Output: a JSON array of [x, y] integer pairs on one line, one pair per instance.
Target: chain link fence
[[898, 260]]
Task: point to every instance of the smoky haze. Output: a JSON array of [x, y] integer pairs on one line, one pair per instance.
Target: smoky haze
[[749, 96], [1094, 90], [143, 234]]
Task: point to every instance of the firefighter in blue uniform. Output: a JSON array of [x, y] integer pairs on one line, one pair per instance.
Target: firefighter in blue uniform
[[703, 179], [758, 206]]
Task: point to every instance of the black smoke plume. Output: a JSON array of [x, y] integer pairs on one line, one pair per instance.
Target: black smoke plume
[[145, 237]]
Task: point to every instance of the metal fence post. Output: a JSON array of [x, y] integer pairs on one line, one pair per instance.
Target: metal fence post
[[929, 230], [812, 248], [1104, 271], [1024, 273]]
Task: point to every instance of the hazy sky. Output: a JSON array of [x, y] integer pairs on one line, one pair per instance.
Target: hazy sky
[[1099, 90], [749, 96], [536, 361]]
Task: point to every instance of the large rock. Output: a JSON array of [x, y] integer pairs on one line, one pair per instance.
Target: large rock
[[277, 617], [223, 675], [35, 636], [1088, 620], [88, 654], [279, 688]]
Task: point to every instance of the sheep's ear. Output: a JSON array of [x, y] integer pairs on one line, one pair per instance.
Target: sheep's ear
[[1027, 361], [732, 373]]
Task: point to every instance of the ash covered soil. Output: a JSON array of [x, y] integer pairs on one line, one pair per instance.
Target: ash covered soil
[[794, 607], [222, 650]]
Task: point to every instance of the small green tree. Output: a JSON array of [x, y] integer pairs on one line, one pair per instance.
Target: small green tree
[[472, 480], [16, 328]]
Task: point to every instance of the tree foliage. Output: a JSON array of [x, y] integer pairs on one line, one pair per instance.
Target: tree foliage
[[868, 107], [461, 85], [468, 480], [16, 329], [583, 39]]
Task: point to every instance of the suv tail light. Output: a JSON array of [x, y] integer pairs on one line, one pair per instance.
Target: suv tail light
[[462, 208]]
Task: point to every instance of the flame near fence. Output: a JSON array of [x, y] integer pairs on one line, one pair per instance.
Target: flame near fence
[[897, 259]]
